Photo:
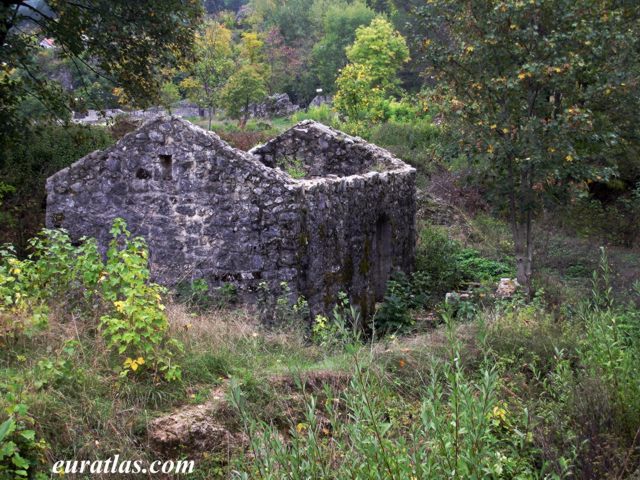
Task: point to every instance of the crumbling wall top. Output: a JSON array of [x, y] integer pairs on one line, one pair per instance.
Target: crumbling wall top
[[313, 150]]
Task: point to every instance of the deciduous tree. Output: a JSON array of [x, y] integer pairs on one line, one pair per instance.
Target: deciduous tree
[[128, 41], [244, 87], [536, 92], [376, 56], [212, 67], [340, 24]]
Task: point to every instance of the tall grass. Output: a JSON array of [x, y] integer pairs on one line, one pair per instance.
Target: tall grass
[[454, 430]]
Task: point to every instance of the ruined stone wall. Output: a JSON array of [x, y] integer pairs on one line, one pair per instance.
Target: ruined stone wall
[[360, 229], [359, 213], [324, 151], [205, 209], [210, 211]]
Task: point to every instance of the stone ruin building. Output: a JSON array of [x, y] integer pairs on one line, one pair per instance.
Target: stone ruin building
[[314, 207]]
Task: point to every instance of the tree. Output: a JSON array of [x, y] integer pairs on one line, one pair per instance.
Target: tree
[[283, 62], [357, 97], [244, 87], [376, 56], [383, 49], [537, 94], [213, 65], [340, 24], [251, 48], [169, 94], [123, 40]]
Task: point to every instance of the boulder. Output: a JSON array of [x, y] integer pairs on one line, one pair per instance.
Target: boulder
[[319, 100], [278, 105], [507, 287]]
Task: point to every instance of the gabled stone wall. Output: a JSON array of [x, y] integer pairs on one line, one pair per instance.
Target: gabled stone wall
[[210, 211]]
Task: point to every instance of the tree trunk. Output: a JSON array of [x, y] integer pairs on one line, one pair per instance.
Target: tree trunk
[[210, 115], [244, 116], [520, 206], [524, 257]]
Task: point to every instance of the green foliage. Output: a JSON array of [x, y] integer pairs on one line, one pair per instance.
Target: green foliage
[[356, 97], [342, 328], [25, 166], [436, 255], [137, 326], [442, 265], [408, 136], [213, 65], [394, 315], [197, 295], [295, 167], [340, 25], [474, 267], [134, 325], [382, 49], [323, 114], [280, 308], [244, 87], [610, 348], [21, 453], [371, 76], [537, 105], [458, 429], [616, 222], [169, 94], [130, 43]]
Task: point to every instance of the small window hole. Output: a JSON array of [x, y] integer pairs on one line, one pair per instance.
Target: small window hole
[[165, 166], [143, 174]]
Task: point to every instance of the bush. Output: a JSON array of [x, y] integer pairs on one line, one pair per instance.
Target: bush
[[280, 308], [197, 295], [322, 113], [133, 325], [416, 135], [341, 328], [436, 259], [475, 268], [21, 453], [616, 222]]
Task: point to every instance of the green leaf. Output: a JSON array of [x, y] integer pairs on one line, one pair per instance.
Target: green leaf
[[6, 428]]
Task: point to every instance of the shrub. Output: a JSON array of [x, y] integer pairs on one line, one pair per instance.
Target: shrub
[[197, 294], [473, 267], [137, 326], [616, 222], [21, 453], [436, 258], [393, 315], [322, 113], [280, 308], [134, 325], [295, 167], [611, 347], [341, 328], [415, 135]]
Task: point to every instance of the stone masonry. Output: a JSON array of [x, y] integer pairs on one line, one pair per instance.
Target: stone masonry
[[210, 211]]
